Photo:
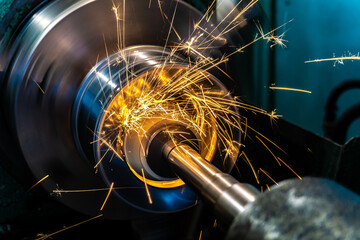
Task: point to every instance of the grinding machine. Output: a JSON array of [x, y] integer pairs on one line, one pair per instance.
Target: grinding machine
[[105, 99]]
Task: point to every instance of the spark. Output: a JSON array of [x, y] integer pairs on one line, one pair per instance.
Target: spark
[[257, 38], [160, 8], [289, 89], [269, 150], [59, 191], [251, 166], [46, 236], [38, 85], [267, 139], [200, 235], [274, 117], [268, 175], [109, 148], [172, 27], [146, 187], [107, 196], [290, 168], [338, 60], [37, 183], [271, 38]]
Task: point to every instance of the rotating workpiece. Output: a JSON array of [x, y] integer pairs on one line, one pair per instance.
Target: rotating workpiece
[[59, 99]]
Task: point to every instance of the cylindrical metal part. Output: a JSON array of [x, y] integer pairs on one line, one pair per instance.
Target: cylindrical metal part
[[225, 193]]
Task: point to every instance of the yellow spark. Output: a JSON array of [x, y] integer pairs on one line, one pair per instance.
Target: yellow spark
[[91, 190], [172, 27], [200, 235], [273, 117], [246, 127], [290, 168], [146, 186], [43, 92], [109, 148], [335, 59], [274, 40], [107, 196], [171, 23], [251, 166], [289, 89], [215, 224], [268, 187], [268, 175], [38, 183], [257, 39], [46, 236], [269, 150], [252, 129]]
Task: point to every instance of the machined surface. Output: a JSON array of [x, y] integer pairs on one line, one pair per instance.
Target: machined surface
[[225, 194]]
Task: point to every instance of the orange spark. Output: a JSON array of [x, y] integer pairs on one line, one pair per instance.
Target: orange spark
[[268, 175], [107, 196], [38, 183], [289, 89], [91, 190], [269, 150], [64, 229], [290, 168], [250, 164], [335, 59], [146, 187]]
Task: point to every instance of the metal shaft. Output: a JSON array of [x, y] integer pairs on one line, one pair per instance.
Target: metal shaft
[[221, 190]]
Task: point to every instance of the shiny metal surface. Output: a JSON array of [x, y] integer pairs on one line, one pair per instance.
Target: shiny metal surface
[[44, 69], [228, 197]]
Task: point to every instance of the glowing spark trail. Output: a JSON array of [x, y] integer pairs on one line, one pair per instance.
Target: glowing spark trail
[[91, 190], [38, 183], [268, 175], [333, 59], [339, 60], [290, 168], [46, 236], [289, 89], [269, 150], [107, 196], [146, 187], [251, 166]]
